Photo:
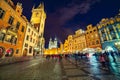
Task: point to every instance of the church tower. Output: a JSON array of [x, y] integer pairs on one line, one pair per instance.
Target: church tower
[[38, 21], [50, 43], [55, 42]]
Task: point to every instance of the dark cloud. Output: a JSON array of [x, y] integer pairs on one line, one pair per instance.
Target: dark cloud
[[55, 23]]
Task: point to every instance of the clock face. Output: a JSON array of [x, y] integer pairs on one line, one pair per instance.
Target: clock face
[[37, 14]]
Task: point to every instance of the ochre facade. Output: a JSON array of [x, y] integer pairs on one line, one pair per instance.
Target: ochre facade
[[12, 28], [92, 37]]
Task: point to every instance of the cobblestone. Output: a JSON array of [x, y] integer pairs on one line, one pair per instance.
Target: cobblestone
[[85, 70]]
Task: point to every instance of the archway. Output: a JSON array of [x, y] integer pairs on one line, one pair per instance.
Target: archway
[[9, 52], [25, 52], [2, 49]]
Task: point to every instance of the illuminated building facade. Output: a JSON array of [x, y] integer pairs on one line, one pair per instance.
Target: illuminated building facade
[[79, 41], [53, 43], [109, 30], [61, 48], [66, 44], [75, 43], [12, 29], [92, 37], [52, 47], [30, 41], [70, 43], [38, 21]]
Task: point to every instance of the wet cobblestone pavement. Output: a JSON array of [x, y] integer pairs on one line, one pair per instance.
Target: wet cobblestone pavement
[[85, 70], [42, 69], [31, 70]]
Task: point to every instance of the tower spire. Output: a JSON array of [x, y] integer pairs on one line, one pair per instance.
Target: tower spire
[[41, 5]]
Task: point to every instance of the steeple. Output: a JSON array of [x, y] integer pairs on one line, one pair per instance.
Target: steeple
[[41, 6], [33, 7]]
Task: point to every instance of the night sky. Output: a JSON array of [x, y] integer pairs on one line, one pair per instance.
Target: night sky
[[66, 16]]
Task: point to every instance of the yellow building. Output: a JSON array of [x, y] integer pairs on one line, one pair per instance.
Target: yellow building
[[12, 28], [92, 37], [75, 43], [79, 41], [70, 43], [66, 50], [30, 41], [38, 21], [61, 48]]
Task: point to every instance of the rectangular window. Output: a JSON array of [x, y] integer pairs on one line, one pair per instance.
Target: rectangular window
[[22, 30], [26, 45], [17, 51], [2, 12], [30, 39], [30, 49], [29, 30], [27, 38], [11, 19], [18, 25]]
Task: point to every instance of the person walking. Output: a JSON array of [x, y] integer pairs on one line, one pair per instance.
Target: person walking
[[102, 60]]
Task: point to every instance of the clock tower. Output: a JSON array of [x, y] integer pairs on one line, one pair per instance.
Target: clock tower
[[38, 21]]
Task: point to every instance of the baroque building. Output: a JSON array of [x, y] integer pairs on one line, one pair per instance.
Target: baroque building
[[12, 28], [70, 43], [109, 31], [79, 41], [75, 43], [38, 21], [65, 46], [92, 37]]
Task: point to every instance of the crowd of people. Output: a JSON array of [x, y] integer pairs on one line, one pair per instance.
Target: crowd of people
[[104, 58]]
